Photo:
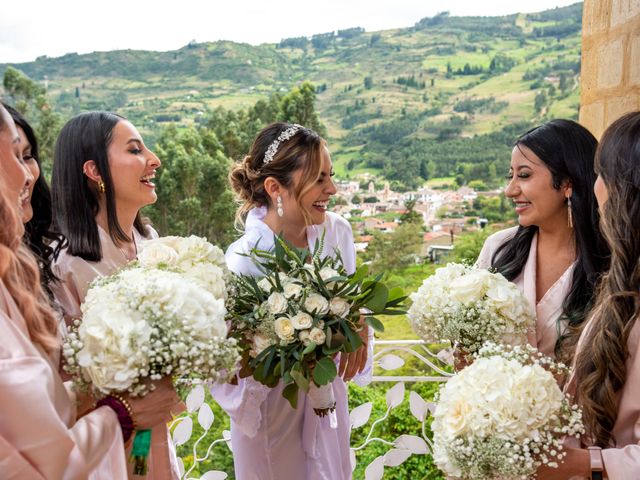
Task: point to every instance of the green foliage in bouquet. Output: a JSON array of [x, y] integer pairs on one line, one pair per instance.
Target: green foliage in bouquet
[[304, 311]]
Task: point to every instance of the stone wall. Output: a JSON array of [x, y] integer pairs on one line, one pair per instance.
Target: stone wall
[[610, 76]]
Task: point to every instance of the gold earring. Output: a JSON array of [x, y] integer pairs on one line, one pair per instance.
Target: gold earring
[[570, 213], [101, 188]]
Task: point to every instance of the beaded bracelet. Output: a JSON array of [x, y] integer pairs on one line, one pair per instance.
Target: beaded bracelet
[[123, 411]]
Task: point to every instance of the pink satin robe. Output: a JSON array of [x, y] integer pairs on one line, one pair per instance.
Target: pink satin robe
[[622, 462], [75, 275], [40, 436], [549, 308]]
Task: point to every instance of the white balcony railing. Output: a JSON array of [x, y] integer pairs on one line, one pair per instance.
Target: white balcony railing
[[392, 359]]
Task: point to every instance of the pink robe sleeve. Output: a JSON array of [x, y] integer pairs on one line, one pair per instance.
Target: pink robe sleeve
[[623, 463], [75, 276], [38, 428]]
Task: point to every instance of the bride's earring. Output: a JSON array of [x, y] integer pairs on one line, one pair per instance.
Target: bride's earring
[[570, 213], [279, 208]]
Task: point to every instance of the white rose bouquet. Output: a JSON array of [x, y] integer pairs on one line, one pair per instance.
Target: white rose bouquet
[[503, 416], [294, 320], [469, 306], [155, 318], [192, 256]]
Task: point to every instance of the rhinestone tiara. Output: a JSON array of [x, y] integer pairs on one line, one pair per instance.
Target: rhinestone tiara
[[283, 137]]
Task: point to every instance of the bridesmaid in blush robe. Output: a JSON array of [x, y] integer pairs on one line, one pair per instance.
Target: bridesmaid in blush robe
[[286, 185], [42, 433], [606, 373], [44, 242], [102, 176], [557, 252]]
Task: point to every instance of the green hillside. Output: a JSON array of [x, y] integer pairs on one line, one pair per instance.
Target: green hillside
[[422, 97]]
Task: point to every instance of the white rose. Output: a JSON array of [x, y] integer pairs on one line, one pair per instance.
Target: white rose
[[470, 287], [456, 422], [193, 250], [339, 307], [317, 336], [265, 284], [303, 335], [277, 303], [154, 254], [316, 303], [284, 329], [292, 290], [209, 276], [260, 342], [327, 272], [302, 321]]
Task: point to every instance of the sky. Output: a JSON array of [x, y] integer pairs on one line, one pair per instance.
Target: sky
[[31, 28]]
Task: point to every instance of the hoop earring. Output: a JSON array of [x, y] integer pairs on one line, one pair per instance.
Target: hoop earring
[[279, 208], [101, 188], [570, 213]]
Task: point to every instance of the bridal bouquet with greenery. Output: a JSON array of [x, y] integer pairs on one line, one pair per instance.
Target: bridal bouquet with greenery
[[503, 416], [292, 322], [469, 306], [157, 317]]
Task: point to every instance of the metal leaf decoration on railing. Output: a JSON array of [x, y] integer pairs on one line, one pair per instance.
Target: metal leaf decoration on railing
[[184, 429]]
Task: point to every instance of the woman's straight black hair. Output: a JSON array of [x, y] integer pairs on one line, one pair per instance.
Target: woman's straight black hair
[[568, 150], [75, 201]]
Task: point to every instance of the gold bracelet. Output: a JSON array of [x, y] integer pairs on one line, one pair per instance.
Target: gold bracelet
[[127, 407]]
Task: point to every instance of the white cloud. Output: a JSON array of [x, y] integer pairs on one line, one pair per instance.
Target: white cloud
[[44, 27]]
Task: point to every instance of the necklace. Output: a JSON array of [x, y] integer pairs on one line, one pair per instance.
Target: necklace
[[135, 249]]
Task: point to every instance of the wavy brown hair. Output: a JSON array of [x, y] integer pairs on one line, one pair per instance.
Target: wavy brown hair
[[601, 361], [20, 274], [302, 151]]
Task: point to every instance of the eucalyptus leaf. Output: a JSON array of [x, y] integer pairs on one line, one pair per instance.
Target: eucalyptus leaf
[[309, 348], [290, 392], [376, 324], [324, 371], [301, 380], [378, 299]]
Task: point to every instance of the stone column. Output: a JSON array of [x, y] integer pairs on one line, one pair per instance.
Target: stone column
[[610, 72]]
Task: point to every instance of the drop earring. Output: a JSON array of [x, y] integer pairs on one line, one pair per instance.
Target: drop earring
[[101, 188], [569, 213], [279, 208]]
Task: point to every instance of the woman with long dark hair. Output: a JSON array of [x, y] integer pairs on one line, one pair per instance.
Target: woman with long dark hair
[[43, 241], [43, 435], [556, 254], [102, 177], [606, 378]]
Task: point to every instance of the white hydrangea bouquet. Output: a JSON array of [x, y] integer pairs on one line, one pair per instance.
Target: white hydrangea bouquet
[[159, 316], [305, 310], [192, 256], [469, 306], [503, 416]]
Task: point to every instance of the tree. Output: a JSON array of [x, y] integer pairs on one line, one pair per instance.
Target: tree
[[298, 106], [467, 247], [30, 100], [236, 129], [193, 193], [391, 251], [540, 101], [411, 216]]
